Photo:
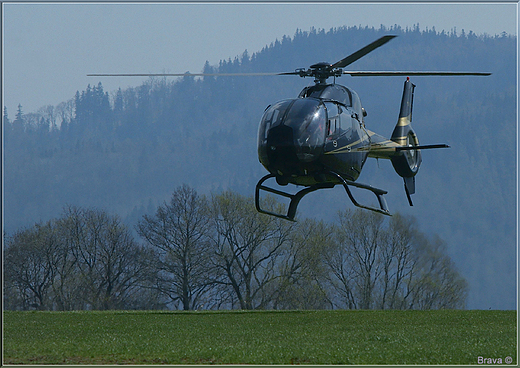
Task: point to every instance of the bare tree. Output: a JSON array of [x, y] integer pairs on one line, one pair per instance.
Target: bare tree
[[247, 246], [49, 113], [342, 273], [362, 234], [65, 283], [110, 263], [302, 267], [399, 262], [64, 112], [178, 231], [28, 264], [379, 264], [438, 285]]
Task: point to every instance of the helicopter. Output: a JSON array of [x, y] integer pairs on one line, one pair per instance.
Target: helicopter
[[319, 139]]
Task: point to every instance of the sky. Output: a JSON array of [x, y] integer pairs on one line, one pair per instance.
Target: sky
[[49, 48]]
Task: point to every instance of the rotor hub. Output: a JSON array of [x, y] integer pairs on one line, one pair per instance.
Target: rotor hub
[[320, 71]]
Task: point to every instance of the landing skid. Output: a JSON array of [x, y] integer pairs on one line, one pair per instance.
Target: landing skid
[[296, 198]]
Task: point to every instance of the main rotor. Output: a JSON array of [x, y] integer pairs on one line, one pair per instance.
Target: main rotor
[[320, 71]]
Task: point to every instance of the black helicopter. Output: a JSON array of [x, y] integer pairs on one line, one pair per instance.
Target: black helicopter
[[319, 139]]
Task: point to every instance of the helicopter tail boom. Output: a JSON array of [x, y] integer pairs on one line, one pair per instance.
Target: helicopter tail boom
[[381, 147]]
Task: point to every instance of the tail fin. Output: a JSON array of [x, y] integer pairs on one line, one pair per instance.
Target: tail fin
[[407, 163], [400, 133]]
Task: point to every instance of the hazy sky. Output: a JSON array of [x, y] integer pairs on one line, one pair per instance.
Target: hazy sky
[[48, 48]]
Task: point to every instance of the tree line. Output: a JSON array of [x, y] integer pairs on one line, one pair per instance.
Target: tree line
[[213, 253]]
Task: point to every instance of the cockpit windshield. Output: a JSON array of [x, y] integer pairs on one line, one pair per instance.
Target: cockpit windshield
[[307, 118], [292, 128], [273, 116]]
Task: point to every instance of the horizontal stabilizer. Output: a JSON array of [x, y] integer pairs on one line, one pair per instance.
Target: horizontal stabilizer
[[428, 146]]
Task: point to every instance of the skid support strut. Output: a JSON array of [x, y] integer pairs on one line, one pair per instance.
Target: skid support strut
[[383, 207], [296, 198]]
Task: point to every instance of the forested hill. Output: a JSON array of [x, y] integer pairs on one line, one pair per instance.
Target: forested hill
[[126, 151]]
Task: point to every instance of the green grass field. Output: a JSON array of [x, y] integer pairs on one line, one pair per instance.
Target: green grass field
[[263, 337]]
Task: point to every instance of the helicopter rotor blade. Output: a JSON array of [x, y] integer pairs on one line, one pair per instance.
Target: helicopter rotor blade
[[352, 73], [188, 74], [320, 71], [340, 64], [362, 52], [409, 73]]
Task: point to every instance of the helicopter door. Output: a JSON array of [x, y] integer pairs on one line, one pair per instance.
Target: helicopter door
[[339, 122], [346, 122], [333, 120]]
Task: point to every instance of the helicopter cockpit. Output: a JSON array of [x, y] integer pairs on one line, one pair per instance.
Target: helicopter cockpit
[[291, 134]]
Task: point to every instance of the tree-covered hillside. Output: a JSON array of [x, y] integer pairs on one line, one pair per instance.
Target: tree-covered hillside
[[125, 151]]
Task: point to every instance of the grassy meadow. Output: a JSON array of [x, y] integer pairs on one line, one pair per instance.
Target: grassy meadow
[[259, 337]]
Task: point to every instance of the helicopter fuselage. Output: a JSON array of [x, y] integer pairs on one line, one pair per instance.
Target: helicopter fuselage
[[301, 140]]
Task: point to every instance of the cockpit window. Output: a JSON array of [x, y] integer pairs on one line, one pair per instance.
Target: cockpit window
[[356, 102], [273, 116], [307, 118], [333, 120], [337, 93]]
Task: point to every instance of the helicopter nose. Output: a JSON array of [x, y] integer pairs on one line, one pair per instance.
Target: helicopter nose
[[281, 152], [291, 137]]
